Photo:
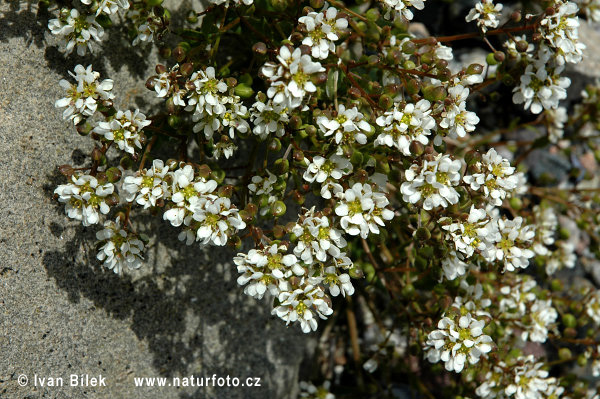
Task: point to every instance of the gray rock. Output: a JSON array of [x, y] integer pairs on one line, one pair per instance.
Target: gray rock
[[61, 313]]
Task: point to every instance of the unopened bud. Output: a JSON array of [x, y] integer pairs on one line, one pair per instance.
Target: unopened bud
[[186, 69], [274, 145], [499, 56], [521, 46], [278, 208], [160, 69]]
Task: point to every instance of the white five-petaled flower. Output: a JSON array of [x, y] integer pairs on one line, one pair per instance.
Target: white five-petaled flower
[[455, 343], [290, 79], [120, 248], [124, 130], [363, 210], [83, 197], [82, 98]]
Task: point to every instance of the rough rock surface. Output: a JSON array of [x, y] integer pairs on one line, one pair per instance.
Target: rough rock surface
[[61, 313]]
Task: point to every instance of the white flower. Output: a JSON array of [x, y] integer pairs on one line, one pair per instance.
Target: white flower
[[147, 25], [216, 219], [560, 31], [320, 169], [592, 307], [405, 124], [310, 391], [290, 80], [187, 190], [432, 182], [530, 382], [268, 118], [363, 210], [495, 177], [322, 30], [109, 6], [120, 247], [513, 243], [302, 305], [453, 266], [456, 343], [486, 14], [456, 118], [556, 119], [83, 197], [225, 149], [76, 30], [347, 127], [400, 7], [541, 87], [471, 234], [316, 238], [207, 96], [82, 97], [148, 185], [540, 316], [124, 129], [263, 269]]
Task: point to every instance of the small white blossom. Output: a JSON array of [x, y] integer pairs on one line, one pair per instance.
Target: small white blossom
[[433, 182], [83, 197], [320, 169], [120, 248], [268, 118], [124, 130], [486, 13], [495, 177], [76, 30], [347, 127], [148, 185], [456, 343], [322, 29], [405, 124], [363, 210], [82, 97]]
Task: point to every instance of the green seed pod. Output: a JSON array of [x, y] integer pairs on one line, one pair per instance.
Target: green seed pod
[[413, 86], [582, 360], [192, 17], [434, 93], [516, 203], [178, 53], [556, 285], [274, 145], [409, 47], [569, 321], [243, 90], [310, 130], [174, 121], [113, 174], [278, 208], [373, 14], [126, 162], [564, 354], [385, 101], [422, 234], [357, 158], [490, 59], [281, 166], [218, 175], [499, 56], [474, 69]]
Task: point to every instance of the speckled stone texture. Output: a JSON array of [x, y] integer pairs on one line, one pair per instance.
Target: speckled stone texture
[[61, 313]]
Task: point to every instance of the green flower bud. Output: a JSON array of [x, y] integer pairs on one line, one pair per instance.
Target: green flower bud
[[490, 59], [422, 234], [564, 354], [434, 93], [373, 14], [281, 166], [218, 175]]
